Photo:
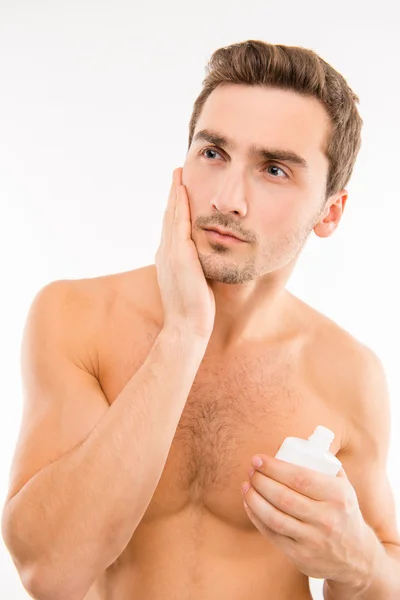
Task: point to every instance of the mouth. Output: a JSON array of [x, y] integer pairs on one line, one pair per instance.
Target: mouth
[[222, 237]]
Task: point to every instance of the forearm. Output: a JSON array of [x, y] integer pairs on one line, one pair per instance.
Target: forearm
[[383, 583], [74, 518]]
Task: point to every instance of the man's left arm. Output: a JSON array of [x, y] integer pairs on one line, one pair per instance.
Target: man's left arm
[[365, 463]]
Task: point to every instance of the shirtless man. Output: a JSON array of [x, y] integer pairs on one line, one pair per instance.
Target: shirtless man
[[148, 392]]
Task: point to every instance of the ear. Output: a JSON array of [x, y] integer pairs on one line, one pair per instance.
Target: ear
[[331, 214]]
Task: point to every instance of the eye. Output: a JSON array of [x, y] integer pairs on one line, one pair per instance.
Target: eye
[[208, 150], [270, 166], [279, 169]]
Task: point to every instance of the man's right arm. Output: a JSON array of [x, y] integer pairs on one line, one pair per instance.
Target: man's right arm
[[68, 518]]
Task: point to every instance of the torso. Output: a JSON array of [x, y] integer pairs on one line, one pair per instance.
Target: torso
[[195, 540]]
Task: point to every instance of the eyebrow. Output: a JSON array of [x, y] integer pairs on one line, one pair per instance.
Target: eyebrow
[[255, 151]]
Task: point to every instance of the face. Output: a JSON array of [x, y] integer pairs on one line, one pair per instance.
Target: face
[[272, 200]]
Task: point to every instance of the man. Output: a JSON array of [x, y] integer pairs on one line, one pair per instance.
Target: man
[[149, 393]]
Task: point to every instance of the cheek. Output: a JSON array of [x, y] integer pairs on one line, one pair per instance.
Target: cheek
[[283, 210], [277, 217], [194, 176]]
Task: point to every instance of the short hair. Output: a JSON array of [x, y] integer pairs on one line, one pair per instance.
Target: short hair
[[258, 63]]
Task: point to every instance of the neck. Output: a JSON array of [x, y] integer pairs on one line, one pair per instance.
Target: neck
[[250, 311]]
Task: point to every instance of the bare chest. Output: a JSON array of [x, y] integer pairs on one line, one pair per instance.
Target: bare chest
[[239, 405]]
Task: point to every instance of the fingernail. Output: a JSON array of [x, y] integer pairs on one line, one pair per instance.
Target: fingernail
[[245, 487]]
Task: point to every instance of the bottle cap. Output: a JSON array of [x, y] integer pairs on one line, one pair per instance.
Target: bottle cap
[[322, 438]]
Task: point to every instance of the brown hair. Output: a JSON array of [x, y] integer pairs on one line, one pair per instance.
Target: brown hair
[[254, 62]]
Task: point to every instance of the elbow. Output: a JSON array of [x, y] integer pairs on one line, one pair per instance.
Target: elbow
[[40, 576], [40, 583], [46, 586], [20, 554], [34, 584]]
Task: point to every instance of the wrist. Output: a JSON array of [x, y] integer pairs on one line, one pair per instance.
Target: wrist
[[185, 336], [363, 577]]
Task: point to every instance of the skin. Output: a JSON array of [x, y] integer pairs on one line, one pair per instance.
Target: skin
[[325, 527], [273, 367], [275, 206]]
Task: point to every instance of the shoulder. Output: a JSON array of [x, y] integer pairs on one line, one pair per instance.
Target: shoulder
[[98, 295], [82, 311], [349, 372]]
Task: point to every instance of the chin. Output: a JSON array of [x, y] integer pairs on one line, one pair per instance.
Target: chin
[[226, 270]]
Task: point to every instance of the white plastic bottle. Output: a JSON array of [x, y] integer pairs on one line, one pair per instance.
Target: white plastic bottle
[[312, 453]]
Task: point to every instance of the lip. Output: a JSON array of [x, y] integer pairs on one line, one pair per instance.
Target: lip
[[227, 235]]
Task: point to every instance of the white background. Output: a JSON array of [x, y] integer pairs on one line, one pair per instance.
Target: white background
[[95, 101]]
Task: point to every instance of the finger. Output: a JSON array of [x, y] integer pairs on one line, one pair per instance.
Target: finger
[[182, 221], [313, 484], [285, 543], [342, 473], [262, 528], [275, 520], [286, 500], [169, 214]]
